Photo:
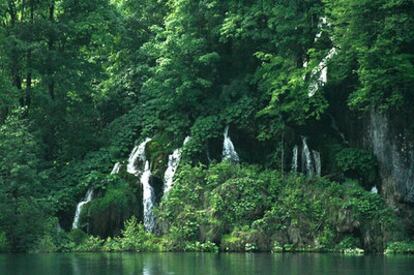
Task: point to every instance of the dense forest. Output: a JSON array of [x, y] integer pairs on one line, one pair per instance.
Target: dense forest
[[267, 125]]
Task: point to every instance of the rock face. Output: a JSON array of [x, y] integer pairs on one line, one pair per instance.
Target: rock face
[[391, 143]]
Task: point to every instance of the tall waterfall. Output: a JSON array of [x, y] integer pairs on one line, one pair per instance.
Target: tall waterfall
[[88, 198], [295, 157], [307, 166], [173, 162], [229, 153], [138, 153], [148, 198]]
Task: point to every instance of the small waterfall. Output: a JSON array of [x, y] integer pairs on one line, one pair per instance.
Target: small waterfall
[[148, 198], [138, 153], [173, 162], [374, 190], [322, 21], [116, 168], [317, 158], [307, 166], [311, 163], [319, 75], [88, 198], [229, 153], [295, 157]]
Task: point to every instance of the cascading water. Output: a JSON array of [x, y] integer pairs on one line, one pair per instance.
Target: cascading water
[[311, 164], [374, 190], [307, 166], [116, 168], [319, 75], [295, 157], [138, 153], [322, 21], [173, 162], [229, 153], [88, 198], [148, 198], [317, 158]]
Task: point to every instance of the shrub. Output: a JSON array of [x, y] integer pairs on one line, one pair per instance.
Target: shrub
[[91, 244], [4, 244], [357, 163], [46, 244], [77, 236], [406, 247], [201, 247], [134, 238]]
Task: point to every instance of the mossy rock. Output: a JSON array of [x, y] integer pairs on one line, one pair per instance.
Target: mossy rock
[[105, 215]]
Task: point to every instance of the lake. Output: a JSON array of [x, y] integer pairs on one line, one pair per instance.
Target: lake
[[203, 263]]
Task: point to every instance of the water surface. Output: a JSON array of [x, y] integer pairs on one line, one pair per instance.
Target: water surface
[[203, 264]]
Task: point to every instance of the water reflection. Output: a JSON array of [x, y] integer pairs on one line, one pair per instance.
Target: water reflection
[[203, 264]]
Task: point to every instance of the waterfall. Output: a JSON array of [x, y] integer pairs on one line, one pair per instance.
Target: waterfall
[[138, 153], [374, 190], [319, 75], [317, 158], [116, 168], [173, 162], [322, 21], [229, 153], [295, 159], [307, 166], [311, 163], [88, 198], [148, 198]]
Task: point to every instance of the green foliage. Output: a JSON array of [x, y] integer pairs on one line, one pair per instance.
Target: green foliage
[[201, 247], [4, 244], [90, 244], [348, 243], [371, 32], [357, 163], [243, 207], [400, 247], [45, 245], [82, 81], [77, 236], [135, 238]]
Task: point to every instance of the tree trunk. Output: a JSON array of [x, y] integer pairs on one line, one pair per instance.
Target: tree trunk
[[29, 59], [51, 81], [14, 64]]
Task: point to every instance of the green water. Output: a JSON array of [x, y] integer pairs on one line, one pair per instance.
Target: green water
[[200, 264]]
